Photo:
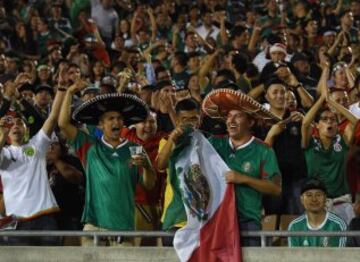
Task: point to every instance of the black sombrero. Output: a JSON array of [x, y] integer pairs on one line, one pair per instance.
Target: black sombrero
[[132, 108], [218, 103]]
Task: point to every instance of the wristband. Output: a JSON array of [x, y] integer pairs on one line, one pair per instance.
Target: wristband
[[61, 89]]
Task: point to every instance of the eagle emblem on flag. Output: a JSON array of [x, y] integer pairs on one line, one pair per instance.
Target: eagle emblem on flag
[[197, 192]]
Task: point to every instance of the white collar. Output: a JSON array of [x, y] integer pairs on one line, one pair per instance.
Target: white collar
[[108, 145], [243, 145], [318, 227]]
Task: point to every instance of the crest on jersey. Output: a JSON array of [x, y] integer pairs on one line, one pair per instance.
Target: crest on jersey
[[29, 151], [246, 166]]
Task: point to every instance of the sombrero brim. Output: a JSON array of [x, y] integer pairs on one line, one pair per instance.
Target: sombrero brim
[[218, 103], [132, 108]]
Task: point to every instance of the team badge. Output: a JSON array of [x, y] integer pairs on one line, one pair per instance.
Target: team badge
[[31, 120], [305, 243], [197, 192], [325, 242], [29, 151], [246, 167]]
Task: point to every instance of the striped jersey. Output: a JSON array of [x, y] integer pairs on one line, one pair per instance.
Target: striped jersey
[[331, 223]]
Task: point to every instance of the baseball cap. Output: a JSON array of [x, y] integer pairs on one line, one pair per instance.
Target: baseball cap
[[312, 183]]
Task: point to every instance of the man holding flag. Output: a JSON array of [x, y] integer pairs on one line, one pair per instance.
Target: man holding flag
[[253, 164], [201, 176]]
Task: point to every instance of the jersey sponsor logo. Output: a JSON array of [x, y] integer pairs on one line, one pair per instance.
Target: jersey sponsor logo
[[29, 151], [337, 147], [197, 192], [294, 131]]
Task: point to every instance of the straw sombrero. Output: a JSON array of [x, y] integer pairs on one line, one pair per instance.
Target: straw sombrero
[[218, 103], [132, 108]]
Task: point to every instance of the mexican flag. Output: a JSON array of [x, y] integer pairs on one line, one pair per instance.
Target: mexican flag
[[211, 232]]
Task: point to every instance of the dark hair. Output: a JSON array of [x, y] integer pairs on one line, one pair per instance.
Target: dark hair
[[238, 31], [181, 57], [73, 65], [187, 105], [252, 70], [320, 112], [228, 74], [274, 80], [159, 69], [240, 62], [193, 54], [160, 85]]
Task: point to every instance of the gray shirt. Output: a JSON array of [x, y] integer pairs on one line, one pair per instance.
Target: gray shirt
[[106, 19]]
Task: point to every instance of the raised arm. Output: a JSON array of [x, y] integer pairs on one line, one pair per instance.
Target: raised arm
[[50, 123], [306, 99], [67, 128], [206, 67], [165, 153], [153, 25], [133, 29], [4, 132], [223, 34], [324, 75], [306, 128], [353, 121]]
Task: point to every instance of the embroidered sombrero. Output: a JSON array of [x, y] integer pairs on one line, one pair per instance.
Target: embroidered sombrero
[[219, 102], [132, 108]]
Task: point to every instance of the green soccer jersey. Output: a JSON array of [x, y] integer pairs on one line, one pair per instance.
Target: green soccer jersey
[[253, 159], [331, 223], [110, 182], [329, 165]]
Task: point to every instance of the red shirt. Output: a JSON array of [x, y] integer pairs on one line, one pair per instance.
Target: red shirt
[[353, 164], [151, 147]]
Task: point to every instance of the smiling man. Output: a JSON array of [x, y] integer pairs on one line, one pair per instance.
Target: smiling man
[[27, 193], [253, 164], [316, 218], [111, 174]]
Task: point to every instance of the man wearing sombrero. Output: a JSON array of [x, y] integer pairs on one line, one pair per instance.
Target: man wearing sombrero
[[254, 166], [111, 175]]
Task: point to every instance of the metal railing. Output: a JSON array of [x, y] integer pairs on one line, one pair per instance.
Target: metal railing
[[98, 234]]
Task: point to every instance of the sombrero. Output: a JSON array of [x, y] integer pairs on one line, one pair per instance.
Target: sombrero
[[132, 108], [218, 103]]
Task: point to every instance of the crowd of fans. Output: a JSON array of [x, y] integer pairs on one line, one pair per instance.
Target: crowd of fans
[[300, 59]]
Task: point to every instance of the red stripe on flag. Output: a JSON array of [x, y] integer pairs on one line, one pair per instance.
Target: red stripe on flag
[[219, 237]]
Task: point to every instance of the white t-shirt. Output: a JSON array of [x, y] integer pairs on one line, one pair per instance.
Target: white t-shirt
[[26, 188], [203, 32], [355, 109]]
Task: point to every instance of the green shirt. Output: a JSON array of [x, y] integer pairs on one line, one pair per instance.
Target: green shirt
[[110, 182], [331, 223], [329, 165], [254, 159]]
